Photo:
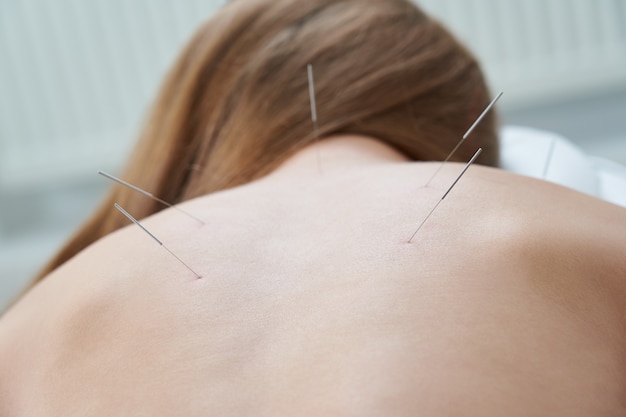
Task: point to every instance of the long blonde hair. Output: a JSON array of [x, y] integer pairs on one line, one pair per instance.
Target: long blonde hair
[[236, 104]]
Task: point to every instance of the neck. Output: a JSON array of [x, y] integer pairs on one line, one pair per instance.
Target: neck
[[338, 154]]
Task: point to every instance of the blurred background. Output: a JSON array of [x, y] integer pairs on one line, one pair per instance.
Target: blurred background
[[76, 78]]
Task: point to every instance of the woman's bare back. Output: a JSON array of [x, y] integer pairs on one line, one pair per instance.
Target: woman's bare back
[[510, 300]]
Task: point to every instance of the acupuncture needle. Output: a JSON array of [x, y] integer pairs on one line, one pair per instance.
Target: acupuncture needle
[[131, 218], [147, 194], [447, 192], [549, 159], [466, 135], [312, 102]]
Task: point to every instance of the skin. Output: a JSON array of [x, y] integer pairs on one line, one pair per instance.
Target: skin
[[509, 301]]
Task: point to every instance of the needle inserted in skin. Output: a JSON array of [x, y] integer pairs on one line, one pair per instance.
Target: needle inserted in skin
[[147, 194], [466, 135], [447, 192], [548, 159], [309, 70], [132, 219]]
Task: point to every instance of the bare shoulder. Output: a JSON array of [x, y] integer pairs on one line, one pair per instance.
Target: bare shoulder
[[564, 218], [573, 243], [561, 217]]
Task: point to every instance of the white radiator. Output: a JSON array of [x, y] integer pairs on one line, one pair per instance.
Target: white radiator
[[542, 50], [76, 76]]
